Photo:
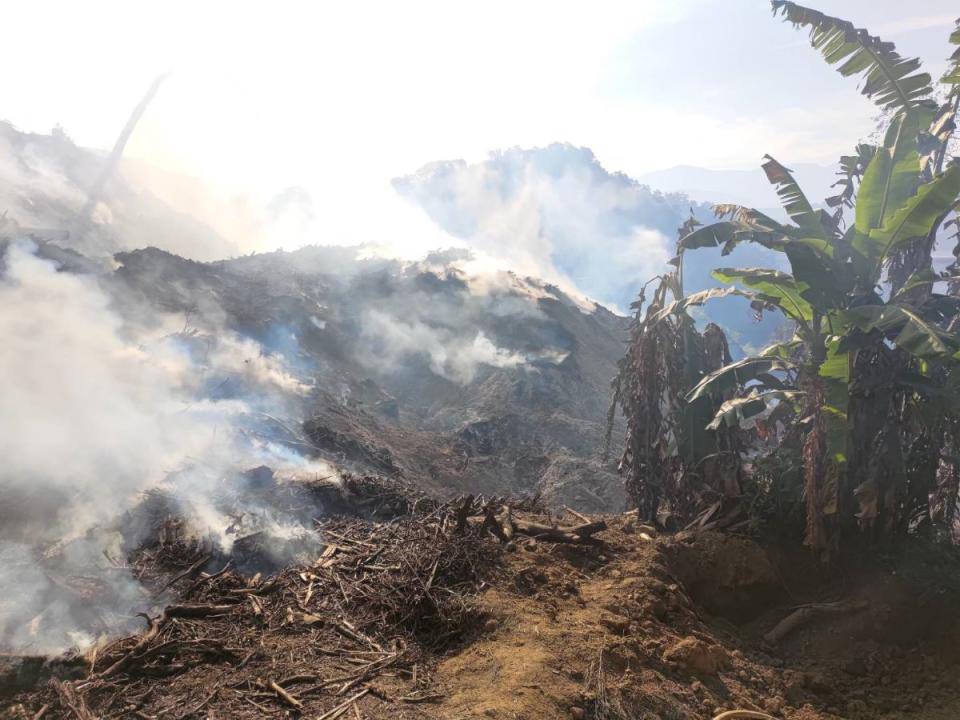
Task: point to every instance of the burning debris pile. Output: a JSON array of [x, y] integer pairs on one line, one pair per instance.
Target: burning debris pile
[[225, 422], [484, 607], [174, 378], [364, 611]]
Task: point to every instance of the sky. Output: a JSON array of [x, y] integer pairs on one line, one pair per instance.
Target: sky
[[338, 98]]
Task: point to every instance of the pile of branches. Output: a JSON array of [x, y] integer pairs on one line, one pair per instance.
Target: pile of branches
[[503, 519], [357, 626], [355, 630]]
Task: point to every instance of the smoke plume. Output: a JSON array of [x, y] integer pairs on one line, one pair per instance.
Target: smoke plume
[[92, 417], [556, 213]]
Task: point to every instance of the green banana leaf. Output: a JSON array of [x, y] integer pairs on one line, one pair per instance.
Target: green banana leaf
[[891, 81], [893, 174], [794, 202], [907, 329], [737, 374], [733, 411], [772, 283], [952, 75], [918, 215]]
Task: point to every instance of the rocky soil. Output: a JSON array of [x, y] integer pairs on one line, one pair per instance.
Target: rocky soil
[[634, 625]]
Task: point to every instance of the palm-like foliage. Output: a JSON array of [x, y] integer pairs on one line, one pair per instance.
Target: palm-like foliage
[[891, 81], [673, 463], [868, 362]]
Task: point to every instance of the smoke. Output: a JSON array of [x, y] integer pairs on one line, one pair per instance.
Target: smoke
[[45, 186], [455, 358], [555, 213], [93, 415], [454, 321]]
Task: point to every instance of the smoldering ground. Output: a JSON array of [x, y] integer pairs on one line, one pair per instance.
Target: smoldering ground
[[94, 414], [115, 398]]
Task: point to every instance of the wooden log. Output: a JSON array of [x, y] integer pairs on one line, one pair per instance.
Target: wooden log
[[805, 613], [491, 523], [196, 611], [462, 513], [571, 534], [506, 522]]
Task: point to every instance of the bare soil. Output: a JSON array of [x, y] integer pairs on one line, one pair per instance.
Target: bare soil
[[634, 626]]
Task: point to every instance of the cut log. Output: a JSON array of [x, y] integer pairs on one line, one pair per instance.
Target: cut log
[[492, 523], [805, 613], [462, 513], [196, 611], [505, 519], [571, 534]]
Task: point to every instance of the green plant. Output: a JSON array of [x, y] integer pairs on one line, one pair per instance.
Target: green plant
[[870, 376], [672, 462]]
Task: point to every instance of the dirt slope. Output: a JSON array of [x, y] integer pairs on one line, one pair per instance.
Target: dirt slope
[[614, 630]]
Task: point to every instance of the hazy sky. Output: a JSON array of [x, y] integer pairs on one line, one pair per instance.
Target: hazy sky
[[340, 97]]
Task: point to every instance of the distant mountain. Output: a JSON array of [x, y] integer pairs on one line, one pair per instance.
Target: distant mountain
[[744, 187], [558, 212]]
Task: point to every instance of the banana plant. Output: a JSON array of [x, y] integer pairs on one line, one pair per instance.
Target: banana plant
[[849, 321], [672, 462]]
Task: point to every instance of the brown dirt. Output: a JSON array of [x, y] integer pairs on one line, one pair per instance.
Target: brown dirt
[[616, 632], [642, 628]]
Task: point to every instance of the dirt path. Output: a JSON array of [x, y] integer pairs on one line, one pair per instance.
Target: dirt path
[[614, 634], [634, 628]]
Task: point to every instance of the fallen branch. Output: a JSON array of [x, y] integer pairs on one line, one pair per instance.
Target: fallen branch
[[189, 572], [342, 707], [805, 613], [71, 700], [285, 696], [574, 533], [207, 578], [578, 516], [196, 611], [431, 697], [155, 625]]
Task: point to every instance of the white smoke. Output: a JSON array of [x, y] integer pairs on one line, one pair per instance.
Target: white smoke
[[554, 213], [451, 356], [88, 420]]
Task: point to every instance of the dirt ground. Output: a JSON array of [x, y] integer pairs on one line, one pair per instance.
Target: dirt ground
[[620, 634], [636, 626]]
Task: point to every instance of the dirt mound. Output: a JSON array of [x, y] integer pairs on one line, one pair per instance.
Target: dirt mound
[[728, 576], [584, 484], [437, 615]]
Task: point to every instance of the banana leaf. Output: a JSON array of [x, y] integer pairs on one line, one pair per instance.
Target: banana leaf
[[892, 175], [906, 328], [794, 202], [890, 80], [733, 411], [737, 374], [919, 215], [772, 283], [699, 298]]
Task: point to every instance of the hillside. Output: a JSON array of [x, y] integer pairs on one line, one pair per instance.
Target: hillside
[[459, 382], [557, 208], [45, 179]]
